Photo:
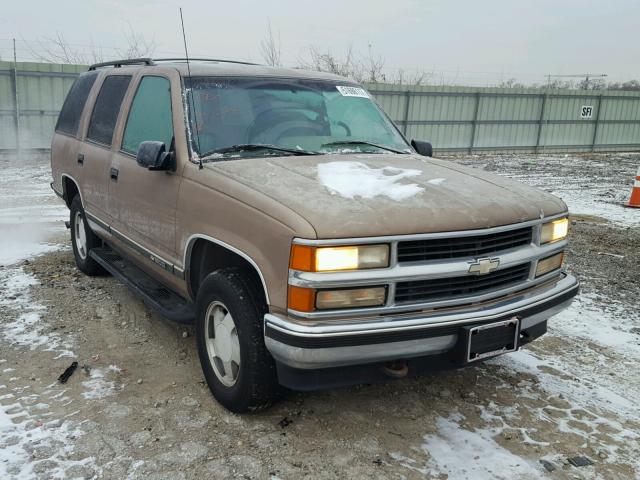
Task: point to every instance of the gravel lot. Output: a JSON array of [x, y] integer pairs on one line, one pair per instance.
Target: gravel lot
[[138, 407]]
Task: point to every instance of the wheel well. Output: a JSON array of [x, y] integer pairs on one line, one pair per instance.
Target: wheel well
[[207, 257], [69, 190]]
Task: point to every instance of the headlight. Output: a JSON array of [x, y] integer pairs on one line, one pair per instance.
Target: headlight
[[309, 299], [549, 264], [330, 259], [554, 231]]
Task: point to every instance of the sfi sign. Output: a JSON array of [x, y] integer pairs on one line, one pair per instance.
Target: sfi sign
[[586, 111]]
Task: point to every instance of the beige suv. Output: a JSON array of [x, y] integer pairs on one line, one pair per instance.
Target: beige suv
[[284, 214]]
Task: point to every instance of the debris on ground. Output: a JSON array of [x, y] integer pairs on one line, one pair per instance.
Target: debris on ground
[[285, 422], [614, 255], [68, 372], [580, 461], [548, 466]]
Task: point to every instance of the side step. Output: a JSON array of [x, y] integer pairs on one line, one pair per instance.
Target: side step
[[153, 293]]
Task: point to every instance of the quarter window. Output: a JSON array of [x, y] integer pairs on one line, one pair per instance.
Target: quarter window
[[106, 109], [69, 117], [150, 117]]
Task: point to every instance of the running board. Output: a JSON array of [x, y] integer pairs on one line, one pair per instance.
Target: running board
[[153, 293]]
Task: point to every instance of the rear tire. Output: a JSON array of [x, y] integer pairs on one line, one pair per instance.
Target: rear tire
[[83, 240], [239, 370]]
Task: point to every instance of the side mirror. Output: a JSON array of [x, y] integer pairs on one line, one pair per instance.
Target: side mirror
[[153, 156], [423, 148]]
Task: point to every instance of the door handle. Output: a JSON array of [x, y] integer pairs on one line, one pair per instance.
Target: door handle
[[114, 174], [80, 159]]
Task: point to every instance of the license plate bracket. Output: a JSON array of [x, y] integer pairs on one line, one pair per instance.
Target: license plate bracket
[[489, 340]]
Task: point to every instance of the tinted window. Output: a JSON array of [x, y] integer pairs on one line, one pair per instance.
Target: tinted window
[[150, 116], [69, 117], [106, 109]]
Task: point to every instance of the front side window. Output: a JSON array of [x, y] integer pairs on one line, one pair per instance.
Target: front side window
[[69, 117], [107, 107], [150, 117], [312, 116]]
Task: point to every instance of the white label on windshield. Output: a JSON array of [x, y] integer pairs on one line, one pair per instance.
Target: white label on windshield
[[352, 91]]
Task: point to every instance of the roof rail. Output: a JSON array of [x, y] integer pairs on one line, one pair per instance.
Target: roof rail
[[203, 60], [119, 63]]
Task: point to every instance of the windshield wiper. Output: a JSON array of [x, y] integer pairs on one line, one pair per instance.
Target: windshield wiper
[[363, 142], [249, 147]]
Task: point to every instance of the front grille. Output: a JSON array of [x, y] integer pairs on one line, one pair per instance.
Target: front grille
[[456, 247], [418, 291]]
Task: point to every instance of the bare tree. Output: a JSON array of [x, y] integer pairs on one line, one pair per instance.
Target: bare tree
[[137, 45], [416, 78], [328, 62], [368, 68], [270, 48], [58, 50], [373, 67], [511, 83], [630, 85]]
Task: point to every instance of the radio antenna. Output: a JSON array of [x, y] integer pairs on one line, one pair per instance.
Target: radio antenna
[[193, 107]]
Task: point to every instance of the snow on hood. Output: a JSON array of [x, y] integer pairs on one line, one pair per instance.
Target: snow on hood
[[355, 179]]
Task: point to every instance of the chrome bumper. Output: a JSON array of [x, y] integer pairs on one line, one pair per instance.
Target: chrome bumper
[[307, 344]]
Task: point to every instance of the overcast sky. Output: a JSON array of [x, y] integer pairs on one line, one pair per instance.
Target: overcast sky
[[466, 41]]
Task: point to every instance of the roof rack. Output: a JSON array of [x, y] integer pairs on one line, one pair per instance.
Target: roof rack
[[152, 61], [203, 60], [119, 63]]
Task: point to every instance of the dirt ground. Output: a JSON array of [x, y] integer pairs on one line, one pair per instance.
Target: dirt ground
[[138, 407]]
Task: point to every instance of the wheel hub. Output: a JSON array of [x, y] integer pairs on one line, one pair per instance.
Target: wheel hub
[[80, 235], [223, 346]]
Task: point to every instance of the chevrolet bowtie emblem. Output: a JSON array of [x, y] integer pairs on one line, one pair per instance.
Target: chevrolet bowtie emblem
[[482, 266]]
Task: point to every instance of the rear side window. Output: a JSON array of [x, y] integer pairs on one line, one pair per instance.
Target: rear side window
[[106, 109], [69, 117], [150, 115]]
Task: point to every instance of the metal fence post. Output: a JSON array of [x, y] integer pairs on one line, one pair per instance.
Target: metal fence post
[[407, 96], [474, 123], [540, 120], [595, 127], [16, 104]]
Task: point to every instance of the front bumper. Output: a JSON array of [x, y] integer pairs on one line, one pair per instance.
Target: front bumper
[[305, 344]]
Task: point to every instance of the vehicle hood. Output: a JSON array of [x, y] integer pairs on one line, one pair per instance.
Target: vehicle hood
[[361, 195]]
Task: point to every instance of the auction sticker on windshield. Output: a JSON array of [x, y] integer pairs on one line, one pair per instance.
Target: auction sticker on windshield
[[352, 91]]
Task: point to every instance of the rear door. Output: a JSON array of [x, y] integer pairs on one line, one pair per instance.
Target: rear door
[[143, 200], [96, 151], [66, 142]]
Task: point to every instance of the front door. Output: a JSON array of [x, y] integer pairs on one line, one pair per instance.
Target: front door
[[145, 201]]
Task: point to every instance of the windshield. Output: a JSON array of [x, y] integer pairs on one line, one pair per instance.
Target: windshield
[[228, 115]]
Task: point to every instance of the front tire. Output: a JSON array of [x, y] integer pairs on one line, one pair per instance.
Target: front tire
[[83, 240], [239, 370]]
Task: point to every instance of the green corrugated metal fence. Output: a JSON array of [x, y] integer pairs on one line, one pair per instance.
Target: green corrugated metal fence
[[478, 120], [454, 119], [41, 89]]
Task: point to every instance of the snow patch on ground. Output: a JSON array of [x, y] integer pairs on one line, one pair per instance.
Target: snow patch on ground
[[97, 386], [463, 454], [598, 186], [25, 327], [599, 320], [29, 210], [356, 179], [32, 443]]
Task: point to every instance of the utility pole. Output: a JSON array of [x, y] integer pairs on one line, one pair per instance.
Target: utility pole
[[15, 101]]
